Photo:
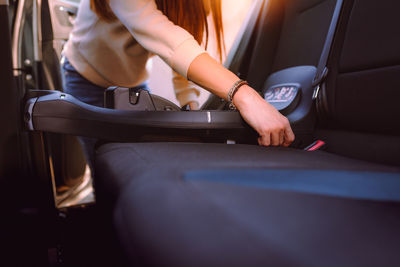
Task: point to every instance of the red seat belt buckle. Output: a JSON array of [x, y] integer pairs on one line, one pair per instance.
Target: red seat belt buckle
[[315, 146]]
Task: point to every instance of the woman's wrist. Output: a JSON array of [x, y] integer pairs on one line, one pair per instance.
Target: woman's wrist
[[244, 96], [233, 90]]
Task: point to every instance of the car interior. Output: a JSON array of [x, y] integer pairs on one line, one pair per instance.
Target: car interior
[[173, 187]]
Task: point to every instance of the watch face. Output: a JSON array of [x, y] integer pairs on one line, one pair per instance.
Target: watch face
[[281, 94]]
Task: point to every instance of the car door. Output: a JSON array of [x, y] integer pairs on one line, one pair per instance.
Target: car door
[[40, 30]]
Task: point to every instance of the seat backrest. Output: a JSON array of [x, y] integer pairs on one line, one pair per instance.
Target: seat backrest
[[359, 100], [292, 33], [288, 33], [363, 85]]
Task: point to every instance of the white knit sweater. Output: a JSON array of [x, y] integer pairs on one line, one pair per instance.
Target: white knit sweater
[[116, 53]]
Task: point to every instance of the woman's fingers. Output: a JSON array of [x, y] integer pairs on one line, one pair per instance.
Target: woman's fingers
[[260, 141], [288, 136], [279, 134], [281, 137], [264, 140], [275, 138]]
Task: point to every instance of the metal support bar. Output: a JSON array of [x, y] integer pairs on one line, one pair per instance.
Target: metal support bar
[[17, 37]]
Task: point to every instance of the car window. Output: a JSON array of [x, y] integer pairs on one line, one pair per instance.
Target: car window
[[234, 15]]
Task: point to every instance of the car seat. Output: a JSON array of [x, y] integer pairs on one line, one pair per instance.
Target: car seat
[[204, 204]]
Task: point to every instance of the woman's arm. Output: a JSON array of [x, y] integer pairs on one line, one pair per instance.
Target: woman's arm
[[273, 128], [156, 33], [180, 50]]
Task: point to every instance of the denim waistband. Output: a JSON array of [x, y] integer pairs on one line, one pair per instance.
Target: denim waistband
[[67, 66]]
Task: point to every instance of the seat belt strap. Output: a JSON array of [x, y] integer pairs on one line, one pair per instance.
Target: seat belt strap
[[322, 70]]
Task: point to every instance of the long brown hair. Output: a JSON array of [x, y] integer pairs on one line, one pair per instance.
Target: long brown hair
[[188, 14]]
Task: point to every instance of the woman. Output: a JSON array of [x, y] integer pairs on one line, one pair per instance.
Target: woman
[[113, 39]]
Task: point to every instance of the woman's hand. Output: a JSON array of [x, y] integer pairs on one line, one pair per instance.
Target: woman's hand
[[274, 129], [194, 105]]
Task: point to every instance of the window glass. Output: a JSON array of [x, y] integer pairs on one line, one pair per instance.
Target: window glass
[[234, 13]]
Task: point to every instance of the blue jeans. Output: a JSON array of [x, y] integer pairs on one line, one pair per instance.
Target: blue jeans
[[85, 91]]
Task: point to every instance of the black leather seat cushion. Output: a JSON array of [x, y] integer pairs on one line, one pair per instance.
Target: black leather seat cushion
[[164, 214]]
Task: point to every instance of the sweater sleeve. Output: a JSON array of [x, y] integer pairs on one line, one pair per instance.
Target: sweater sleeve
[[185, 91], [157, 34]]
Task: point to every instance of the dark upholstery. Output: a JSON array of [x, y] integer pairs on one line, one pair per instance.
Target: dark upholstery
[[286, 30], [362, 116], [364, 68], [383, 186], [166, 216], [181, 204], [170, 223], [305, 29], [377, 148], [372, 37], [124, 162]]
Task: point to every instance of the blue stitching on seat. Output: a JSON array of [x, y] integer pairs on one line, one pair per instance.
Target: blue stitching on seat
[[350, 184]]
